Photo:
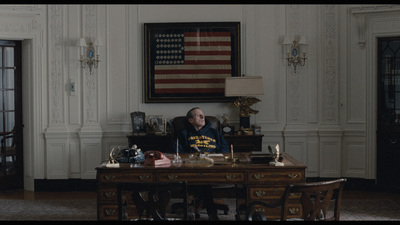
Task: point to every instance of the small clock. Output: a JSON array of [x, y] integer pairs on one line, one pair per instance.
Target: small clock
[[227, 130]]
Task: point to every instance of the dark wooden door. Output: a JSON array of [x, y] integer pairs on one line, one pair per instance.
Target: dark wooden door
[[11, 167], [388, 121]]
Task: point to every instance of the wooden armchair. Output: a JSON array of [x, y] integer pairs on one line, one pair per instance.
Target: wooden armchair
[[315, 199], [151, 200]]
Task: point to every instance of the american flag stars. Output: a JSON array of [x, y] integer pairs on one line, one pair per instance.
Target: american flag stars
[[169, 49]]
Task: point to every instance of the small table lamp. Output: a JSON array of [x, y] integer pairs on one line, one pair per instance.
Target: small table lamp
[[244, 87]]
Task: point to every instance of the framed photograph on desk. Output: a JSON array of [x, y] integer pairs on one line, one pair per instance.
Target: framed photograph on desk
[[156, 122], [188, 62], [138, 122]]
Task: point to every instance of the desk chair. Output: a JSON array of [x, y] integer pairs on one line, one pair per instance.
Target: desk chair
[[151, 200], [315, 199], [8, 150], [178, 124]]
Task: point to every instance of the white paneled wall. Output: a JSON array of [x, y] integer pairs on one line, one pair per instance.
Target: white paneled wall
[[323, 114]]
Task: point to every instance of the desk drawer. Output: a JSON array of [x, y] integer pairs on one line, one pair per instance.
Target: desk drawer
[[294, 211], [107, 194], [258, 193], [110, 212], [110, 195], [202, 177], [126, 177], [269, 193], [281, 176]]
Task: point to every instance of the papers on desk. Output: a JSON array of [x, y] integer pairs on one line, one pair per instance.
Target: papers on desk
[[219, 159], [202, 158], [215, 158], [215, 155]]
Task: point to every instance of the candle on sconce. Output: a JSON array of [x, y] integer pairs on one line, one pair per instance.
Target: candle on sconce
[[232, 151]]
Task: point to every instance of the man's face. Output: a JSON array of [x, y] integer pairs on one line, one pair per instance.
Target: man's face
[[198, 120]]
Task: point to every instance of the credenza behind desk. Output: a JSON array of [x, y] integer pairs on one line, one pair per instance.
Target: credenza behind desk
[[261, 181], [241, 143]]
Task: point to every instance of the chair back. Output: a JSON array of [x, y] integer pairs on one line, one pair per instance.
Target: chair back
[[315, 198], [179, 123], [151, 200], [8, 143]]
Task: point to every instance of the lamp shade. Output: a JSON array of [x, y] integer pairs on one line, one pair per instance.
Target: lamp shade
[[287, 41], [97, 42], [243, 86], [303, 40], [81, 42]]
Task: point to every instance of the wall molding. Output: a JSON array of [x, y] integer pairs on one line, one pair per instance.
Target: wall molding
[[365, 13], [56, 64]]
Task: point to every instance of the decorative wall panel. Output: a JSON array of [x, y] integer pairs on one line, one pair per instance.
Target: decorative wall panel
[[330, 131], [295, 81], [330, 64], [330, 157], [56, 64], [57, 158], [90, 79]]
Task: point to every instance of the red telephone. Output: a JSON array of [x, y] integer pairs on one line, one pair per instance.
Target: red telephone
[[156, 158]]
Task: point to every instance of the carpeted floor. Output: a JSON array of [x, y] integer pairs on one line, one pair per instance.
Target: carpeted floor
[[42, 210], [370, 209], [85, 210]]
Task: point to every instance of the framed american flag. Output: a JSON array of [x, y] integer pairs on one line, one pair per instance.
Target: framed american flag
[[188, 62]]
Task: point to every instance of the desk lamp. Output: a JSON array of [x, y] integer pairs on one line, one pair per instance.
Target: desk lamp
[[244, 87]]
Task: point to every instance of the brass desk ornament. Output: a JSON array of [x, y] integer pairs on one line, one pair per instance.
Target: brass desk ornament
[[231, 158], [276, 157], [111, 158]]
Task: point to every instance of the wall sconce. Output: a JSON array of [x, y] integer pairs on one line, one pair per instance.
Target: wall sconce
[[91, 57], [294, 51], [243, 87]]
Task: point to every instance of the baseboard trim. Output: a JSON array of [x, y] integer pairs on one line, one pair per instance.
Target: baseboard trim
[[65, 185]]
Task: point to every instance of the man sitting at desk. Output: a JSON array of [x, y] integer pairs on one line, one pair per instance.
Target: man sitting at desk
[[199, 135]]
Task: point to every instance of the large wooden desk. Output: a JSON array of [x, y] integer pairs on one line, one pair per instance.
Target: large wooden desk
[[261, 181]]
